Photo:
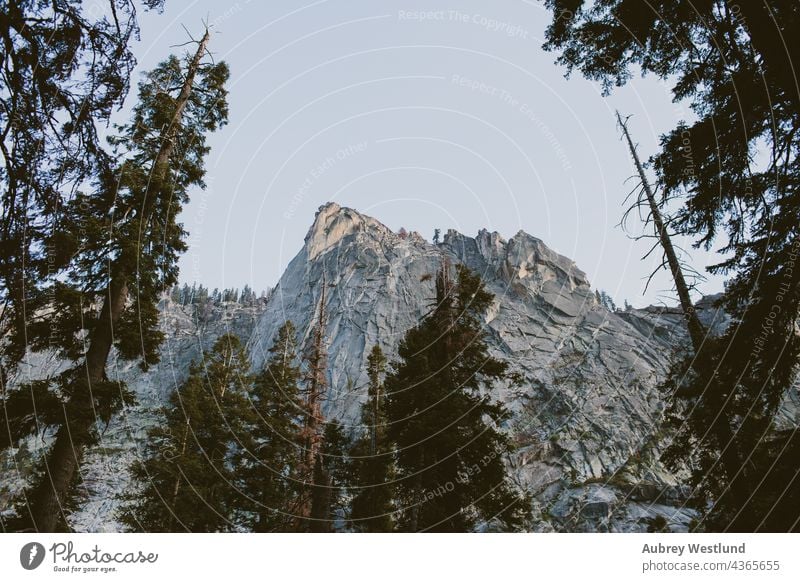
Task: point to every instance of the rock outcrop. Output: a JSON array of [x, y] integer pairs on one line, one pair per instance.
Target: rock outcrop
[[587, 410]]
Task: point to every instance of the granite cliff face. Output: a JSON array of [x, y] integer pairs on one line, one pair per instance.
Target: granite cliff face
[[585, 415], [587, 411]]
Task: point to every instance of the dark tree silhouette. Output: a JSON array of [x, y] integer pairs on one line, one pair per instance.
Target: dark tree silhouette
[[734, 63]]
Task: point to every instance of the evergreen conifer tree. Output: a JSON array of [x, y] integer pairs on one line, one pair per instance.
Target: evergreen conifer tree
[[731, 63], [371, 457], [123, 242], [187, 478], [315, 499], [445, 429], [66, 68], [331, 478], [268, 467]]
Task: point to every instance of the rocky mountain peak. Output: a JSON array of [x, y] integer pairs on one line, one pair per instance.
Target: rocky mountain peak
[[334, 224], [524, 259], [531, 256], [584, 404]]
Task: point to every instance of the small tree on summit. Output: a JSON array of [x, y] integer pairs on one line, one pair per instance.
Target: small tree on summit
[[605, 300]]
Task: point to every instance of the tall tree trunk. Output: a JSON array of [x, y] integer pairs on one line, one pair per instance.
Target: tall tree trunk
[[312, 433], [731, 458], [63, 461], [696, 329]]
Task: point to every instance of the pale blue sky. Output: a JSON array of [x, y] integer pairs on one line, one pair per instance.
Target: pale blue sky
[[430, 114]]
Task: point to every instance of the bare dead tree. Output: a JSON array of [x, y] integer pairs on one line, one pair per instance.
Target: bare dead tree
[[316, 356], [645, 197]]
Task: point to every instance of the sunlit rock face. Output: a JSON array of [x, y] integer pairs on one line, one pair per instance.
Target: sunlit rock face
[[587, 408], [585, 413]]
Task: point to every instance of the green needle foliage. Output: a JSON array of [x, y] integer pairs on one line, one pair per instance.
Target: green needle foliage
[[449, 449], [187, 478], [371, 465], [65, 69], [733, 173], [122, 241], [127, 232], [267, 469]]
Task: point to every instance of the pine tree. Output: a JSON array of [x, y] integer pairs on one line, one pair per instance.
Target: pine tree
[[65, 70], [267, 469], [331, 478], [371, 457], [445, 429], [247, 297], [730, 62], [605, 300], [125, 242], [203, 305], [186, 481], [183, 294]]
